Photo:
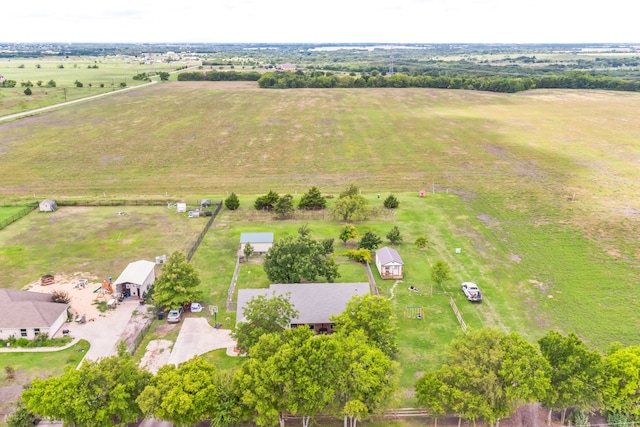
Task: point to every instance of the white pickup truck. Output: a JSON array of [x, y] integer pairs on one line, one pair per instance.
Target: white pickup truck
[[471, 291]]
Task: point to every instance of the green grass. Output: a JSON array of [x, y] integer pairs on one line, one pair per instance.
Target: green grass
[[29, 365], [221, 360], [110, 73], [92, 240]]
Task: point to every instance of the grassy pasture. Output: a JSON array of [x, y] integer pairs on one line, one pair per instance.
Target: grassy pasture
[[539, 189], [111, 72], [91, 240]]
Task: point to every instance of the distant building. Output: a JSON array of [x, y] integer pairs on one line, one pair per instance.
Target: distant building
[[261, 242], [48, 205], [389, 263], [136, 279], [286, 67]]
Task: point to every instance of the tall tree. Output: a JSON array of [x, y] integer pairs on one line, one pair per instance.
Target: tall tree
[[178, 283], [232, 202], [621, 383], [284, 206], [394, 236], [312, 199], [367, 378], [440, 272], [391, 202], [184, 395], [370, 241], [373, 315], [267, 202], [576, 374], [350, 206], [100, 393], [263, 315], [293, 259], [247, 251]]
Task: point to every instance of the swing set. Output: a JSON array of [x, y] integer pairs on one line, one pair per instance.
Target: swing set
[[414, 312]]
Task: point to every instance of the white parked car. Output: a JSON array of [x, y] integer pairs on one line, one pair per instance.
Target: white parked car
[[174, 315], [196, 307], [471, 291]]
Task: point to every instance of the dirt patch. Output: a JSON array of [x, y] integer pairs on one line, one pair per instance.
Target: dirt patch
[[83, 300], [156, 355], [515, 258], [488, 221], [539, 285]]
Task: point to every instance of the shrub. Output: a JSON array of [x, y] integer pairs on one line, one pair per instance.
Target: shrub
[[391, 202], [370, 241], [232, 202], [360, 255], [10, 372], [267, 202], [61, 297]]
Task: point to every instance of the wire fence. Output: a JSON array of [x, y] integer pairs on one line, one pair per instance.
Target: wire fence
[[372, 282], [203, 233], [232, 287], [13, 218]]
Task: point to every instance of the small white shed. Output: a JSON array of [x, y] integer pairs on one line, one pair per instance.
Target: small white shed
[[136, 279], [389, 263], [181, 207], [48, 205]]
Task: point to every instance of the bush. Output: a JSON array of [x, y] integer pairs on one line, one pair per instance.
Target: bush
[[60, 296], [22, 417], [232, 202], [27, 91], [370, 241], [391, 202], [360, 255], [10, 371], [267, 202]]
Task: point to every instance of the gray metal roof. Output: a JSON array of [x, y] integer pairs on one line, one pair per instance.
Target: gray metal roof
[[316, 302], [257, 237], [386, 255], [136, 272], [26, 309]]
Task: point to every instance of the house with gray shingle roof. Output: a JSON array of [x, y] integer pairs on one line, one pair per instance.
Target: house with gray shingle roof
[[389, 263], [315, 302], [27, 314]]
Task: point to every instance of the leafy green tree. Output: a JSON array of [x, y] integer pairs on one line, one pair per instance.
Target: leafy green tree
[[373, 315], [247, 251], [366, 380], [360, 255], [440, 272], [621, 384], [394, 236], [312, 199], [391, 202], [350, 208], [350, 191], [164, 76], [304, 230], [51, 83], [294, 259], [123, 84], [263, 315], [576, 374], [431, 393], [488, 374], [266, 202], [78, 83], [284, 206], [27, 91], [327, 245], [184, 395], [232, 202], [370, 241], [39, 83], [22, 417], [99, 393], [421, 242], [178, 283], [349, 232]]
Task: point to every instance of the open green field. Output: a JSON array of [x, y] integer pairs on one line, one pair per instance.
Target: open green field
[[538, 189], [91, 240], [107, 77]]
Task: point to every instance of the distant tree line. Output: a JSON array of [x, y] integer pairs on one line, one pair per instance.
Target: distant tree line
[[216, 76], [571, 80]]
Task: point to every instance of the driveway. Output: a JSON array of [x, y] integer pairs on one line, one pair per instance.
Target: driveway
[[198, 337]]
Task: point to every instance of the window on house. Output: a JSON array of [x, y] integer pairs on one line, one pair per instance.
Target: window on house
[[312, 327], [36, 331], [23, 332]]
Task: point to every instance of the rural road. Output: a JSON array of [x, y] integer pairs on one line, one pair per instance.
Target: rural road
[[75, 101]]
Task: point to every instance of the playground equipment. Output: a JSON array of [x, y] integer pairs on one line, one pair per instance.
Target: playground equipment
[[414, 312]]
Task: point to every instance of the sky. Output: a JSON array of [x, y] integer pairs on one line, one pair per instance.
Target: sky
[[323, 21]]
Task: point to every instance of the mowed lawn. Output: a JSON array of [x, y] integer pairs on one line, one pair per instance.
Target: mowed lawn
[[90, 240]]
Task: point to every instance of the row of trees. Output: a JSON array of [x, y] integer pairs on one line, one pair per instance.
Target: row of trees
[[350, 205], [288, 371], [251, 76], [488, 374], [450, 80]]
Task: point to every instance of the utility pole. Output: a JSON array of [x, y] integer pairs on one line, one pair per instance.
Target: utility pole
[[65, 94]]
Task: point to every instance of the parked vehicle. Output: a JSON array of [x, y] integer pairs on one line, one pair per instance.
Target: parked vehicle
[[471, 291], [175, 315], [196, 307]]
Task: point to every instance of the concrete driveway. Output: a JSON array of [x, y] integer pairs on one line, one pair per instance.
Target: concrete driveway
[[198, 337]]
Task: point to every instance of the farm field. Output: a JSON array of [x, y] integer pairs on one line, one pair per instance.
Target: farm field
[[539, 189], [107, 77], [90, 240]]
